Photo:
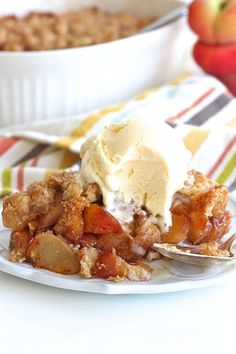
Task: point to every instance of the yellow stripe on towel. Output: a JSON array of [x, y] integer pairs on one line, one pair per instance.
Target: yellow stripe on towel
[[195, 138], [87, 125], [69, 158], [174, 82], [146, 93], [231, 123], [180, 79]]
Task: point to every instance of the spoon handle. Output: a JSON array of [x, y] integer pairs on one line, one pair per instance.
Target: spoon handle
[[163, 20], [228, 244]]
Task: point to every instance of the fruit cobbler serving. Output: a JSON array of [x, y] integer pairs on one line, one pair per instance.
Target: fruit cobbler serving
[[134, 189]]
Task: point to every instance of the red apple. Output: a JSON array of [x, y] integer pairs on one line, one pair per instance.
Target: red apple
[[218, 60], [225, 29], [230, 82], [213, 20]]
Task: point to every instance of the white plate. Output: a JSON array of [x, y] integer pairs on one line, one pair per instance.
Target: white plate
[[167, 277]]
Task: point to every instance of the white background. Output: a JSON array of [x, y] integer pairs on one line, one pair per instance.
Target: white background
[[38, 319]]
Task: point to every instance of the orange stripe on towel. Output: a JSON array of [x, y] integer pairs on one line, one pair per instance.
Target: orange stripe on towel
[[20, 179], [34, 162], [6, 144], [194, 104], [221, 157]]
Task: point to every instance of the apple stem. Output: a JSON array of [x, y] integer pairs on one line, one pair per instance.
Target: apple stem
[[223, 4]]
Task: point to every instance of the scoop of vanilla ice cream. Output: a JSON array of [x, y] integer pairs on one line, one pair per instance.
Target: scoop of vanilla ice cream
[[139, 162]]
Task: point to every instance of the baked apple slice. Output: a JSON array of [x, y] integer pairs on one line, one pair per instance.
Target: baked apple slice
[[19, 243], [110, 265], [51, 252], [220, 226], [88, 240], [200, 227], [50, 218], [124, 245], [178, 231], [98, 220]]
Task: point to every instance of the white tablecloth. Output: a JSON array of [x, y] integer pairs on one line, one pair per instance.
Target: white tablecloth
[[38, 319]]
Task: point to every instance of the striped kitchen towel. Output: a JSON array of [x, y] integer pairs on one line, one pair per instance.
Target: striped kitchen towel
[[197, 106]]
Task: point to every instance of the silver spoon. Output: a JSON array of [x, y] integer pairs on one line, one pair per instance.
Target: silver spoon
[[190, 254], [164, 20]]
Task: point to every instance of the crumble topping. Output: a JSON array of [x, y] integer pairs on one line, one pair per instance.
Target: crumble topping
[[88, 258], [212, 249], [46, 31]]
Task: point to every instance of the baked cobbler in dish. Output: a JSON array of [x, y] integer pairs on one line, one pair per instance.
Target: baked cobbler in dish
[[46, 31], [63, 227]]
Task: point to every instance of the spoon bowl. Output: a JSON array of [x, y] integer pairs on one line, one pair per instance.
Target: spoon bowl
[[189, 254]]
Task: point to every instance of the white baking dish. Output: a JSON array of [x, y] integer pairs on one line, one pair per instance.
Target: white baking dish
[[57, 83]]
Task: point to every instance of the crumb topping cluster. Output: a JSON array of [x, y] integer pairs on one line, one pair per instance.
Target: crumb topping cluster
[[46, 31]]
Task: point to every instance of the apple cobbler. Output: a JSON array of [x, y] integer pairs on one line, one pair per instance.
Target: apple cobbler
[[45, 31], [60, 226]]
